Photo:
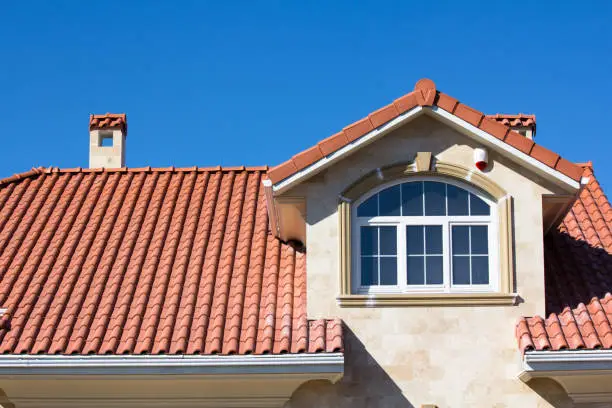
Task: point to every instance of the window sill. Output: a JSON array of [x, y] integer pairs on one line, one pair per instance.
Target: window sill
[[428, 299]]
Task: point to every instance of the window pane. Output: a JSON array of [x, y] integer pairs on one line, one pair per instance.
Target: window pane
[[461, 270], [457, 200], [388, 240], [416, 271], [369, 271], [480, 270], [478, 206], [433, 239], [460, 239], [414, 239], [435, 203], [412, 198], [480, 239], [388, 271], [369, 208], [369, 240], [434, 270], [389, 201]]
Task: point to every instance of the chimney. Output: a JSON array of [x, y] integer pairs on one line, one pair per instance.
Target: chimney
[[521, 123], [107, 135]]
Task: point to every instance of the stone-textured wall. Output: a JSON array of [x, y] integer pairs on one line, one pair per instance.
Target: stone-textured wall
[[409, 356]]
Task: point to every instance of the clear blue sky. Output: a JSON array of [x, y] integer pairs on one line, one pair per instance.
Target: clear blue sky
[[231, 83]]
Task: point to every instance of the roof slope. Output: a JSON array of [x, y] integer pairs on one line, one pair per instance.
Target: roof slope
[[424, 94], [149, 261], [578, 271]]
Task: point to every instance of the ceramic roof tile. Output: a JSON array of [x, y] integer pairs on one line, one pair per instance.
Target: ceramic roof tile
[[514, 120], [578, 278], [425, 94], [108, 121], [149, 261]]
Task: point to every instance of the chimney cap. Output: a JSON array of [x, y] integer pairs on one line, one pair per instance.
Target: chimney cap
[[108, 121]]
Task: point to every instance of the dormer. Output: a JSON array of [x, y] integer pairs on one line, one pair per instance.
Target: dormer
[[419, 198]]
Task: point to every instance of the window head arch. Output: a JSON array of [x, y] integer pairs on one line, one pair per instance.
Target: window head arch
[[424, 234]]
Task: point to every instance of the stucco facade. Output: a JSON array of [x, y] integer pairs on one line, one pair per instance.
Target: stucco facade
[[449, 356]]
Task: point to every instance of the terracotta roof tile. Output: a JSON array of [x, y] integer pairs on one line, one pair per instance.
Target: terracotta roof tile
[[108, 121], [149, 261], [578, 277], [425, 94], [516, 120]]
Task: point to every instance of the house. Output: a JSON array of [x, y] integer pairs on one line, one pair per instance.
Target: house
[[427, 255]]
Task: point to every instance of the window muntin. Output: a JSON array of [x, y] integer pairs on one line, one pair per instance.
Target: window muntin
[[436, 237]]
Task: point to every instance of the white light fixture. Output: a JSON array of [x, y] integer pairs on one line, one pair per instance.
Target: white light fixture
[[481, 158]]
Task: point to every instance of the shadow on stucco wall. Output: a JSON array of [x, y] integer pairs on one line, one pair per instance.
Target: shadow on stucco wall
[[551, 391], [365, 384], [4, 400]]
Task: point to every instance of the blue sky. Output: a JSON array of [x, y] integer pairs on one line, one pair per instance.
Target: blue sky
[[252, 83]]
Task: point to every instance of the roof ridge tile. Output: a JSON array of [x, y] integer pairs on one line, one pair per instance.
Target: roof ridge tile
[[425, 94]]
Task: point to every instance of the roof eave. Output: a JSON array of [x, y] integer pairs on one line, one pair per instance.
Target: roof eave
[[584, 374], [463, 126], [320, 365]]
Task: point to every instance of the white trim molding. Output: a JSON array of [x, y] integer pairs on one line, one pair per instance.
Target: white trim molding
[[461, 125], [145, 381], [327, 363], [585, 375], [339, 154]]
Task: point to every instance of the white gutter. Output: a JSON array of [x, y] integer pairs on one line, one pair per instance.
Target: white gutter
[[565, 363], [323, 363]]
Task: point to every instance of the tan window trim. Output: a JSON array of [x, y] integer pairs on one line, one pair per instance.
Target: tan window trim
[[429, 299], [423, 165]]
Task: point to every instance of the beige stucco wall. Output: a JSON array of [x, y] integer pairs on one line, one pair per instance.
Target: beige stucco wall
[[408, 356]]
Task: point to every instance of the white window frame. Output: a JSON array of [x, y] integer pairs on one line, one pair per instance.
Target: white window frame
[[401, 222]]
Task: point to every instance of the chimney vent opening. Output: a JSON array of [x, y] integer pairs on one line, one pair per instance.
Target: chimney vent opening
[[106, 140]]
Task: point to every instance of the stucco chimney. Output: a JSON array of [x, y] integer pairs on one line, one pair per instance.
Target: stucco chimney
[[107, 135]]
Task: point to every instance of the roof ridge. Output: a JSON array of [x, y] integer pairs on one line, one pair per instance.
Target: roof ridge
[[35, 171], [425, 94]]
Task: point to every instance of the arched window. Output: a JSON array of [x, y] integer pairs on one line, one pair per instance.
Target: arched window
[[424, 235]]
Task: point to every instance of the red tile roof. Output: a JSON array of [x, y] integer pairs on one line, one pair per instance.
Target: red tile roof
[[149, 261], [578, 271], [108, 121], [516, 120], [424, 94]]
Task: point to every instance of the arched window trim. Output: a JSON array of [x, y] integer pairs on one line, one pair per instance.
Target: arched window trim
[[504, 296], [446, 221]]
